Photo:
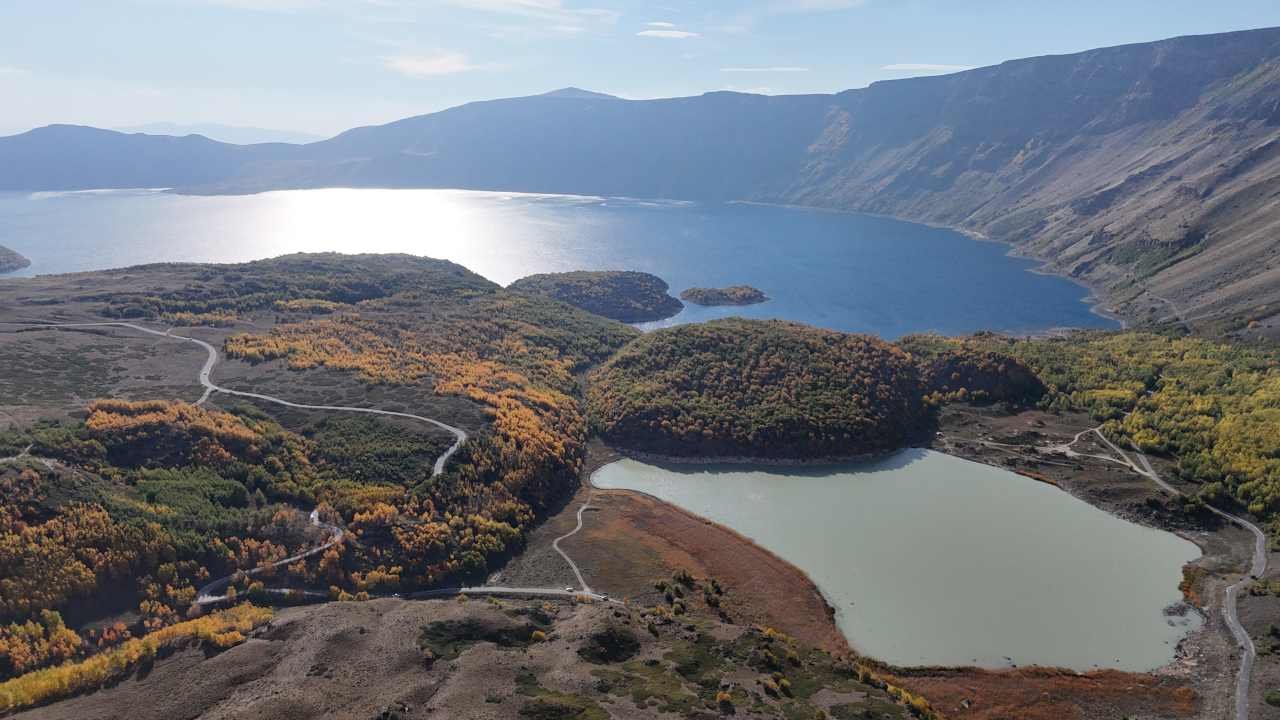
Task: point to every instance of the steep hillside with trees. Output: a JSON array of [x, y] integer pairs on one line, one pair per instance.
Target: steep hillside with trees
[[1212, 407], [761, 389], [142, 501], [954, 372]]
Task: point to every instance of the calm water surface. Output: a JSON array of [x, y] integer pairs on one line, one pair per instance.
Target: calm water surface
[[842, 271], [933, 560]]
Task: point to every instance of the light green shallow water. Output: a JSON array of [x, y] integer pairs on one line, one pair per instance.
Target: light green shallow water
[[933, 560]]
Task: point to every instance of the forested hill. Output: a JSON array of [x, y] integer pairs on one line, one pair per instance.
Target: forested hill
[[1149, 170]]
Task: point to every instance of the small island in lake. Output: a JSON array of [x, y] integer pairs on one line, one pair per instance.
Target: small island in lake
[[763, 389], [10, 260], [624, 295], [732, 295]]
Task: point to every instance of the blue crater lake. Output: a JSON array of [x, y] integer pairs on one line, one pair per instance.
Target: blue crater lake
[[843, 271]]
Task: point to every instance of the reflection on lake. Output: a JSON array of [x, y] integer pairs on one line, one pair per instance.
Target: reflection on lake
[[837, 270]]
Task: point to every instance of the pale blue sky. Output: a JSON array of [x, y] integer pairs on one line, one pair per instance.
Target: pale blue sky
[[325, 65]]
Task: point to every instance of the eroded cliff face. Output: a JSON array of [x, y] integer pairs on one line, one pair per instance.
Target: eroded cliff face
[[1152, 171]]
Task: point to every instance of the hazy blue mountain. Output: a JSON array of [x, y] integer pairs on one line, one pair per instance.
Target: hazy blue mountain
[[1156, 162], [715, 146], [234, 134], [579, 94], [73, 157]]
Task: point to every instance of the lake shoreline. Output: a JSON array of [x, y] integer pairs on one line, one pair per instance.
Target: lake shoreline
[[748, 460], [1175, 688], [1097, 299], [834, 275], [1174, 666], [1186, 678], [1181, 667], [828, 635]]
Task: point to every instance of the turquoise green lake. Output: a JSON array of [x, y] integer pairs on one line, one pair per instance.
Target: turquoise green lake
[[933, 560]]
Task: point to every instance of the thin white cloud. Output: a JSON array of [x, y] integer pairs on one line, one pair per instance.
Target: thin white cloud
[[669, 34], [925, 67], [806, 6], [746, 20], [267, 5], [12, 70], [660, 24], [444, 63], [770, 69], [554, 11], [528, 19]]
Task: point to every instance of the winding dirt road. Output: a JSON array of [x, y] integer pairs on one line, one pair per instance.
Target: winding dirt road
[[555, 545], [26, 453], [213, 591], [205, 595], [206, 381], [1257, 566]]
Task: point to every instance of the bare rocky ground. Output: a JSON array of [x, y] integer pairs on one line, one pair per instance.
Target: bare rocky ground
[[477, 659]]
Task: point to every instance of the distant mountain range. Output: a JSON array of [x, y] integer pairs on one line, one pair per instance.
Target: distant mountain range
[[1151, 171], [234, 134]]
